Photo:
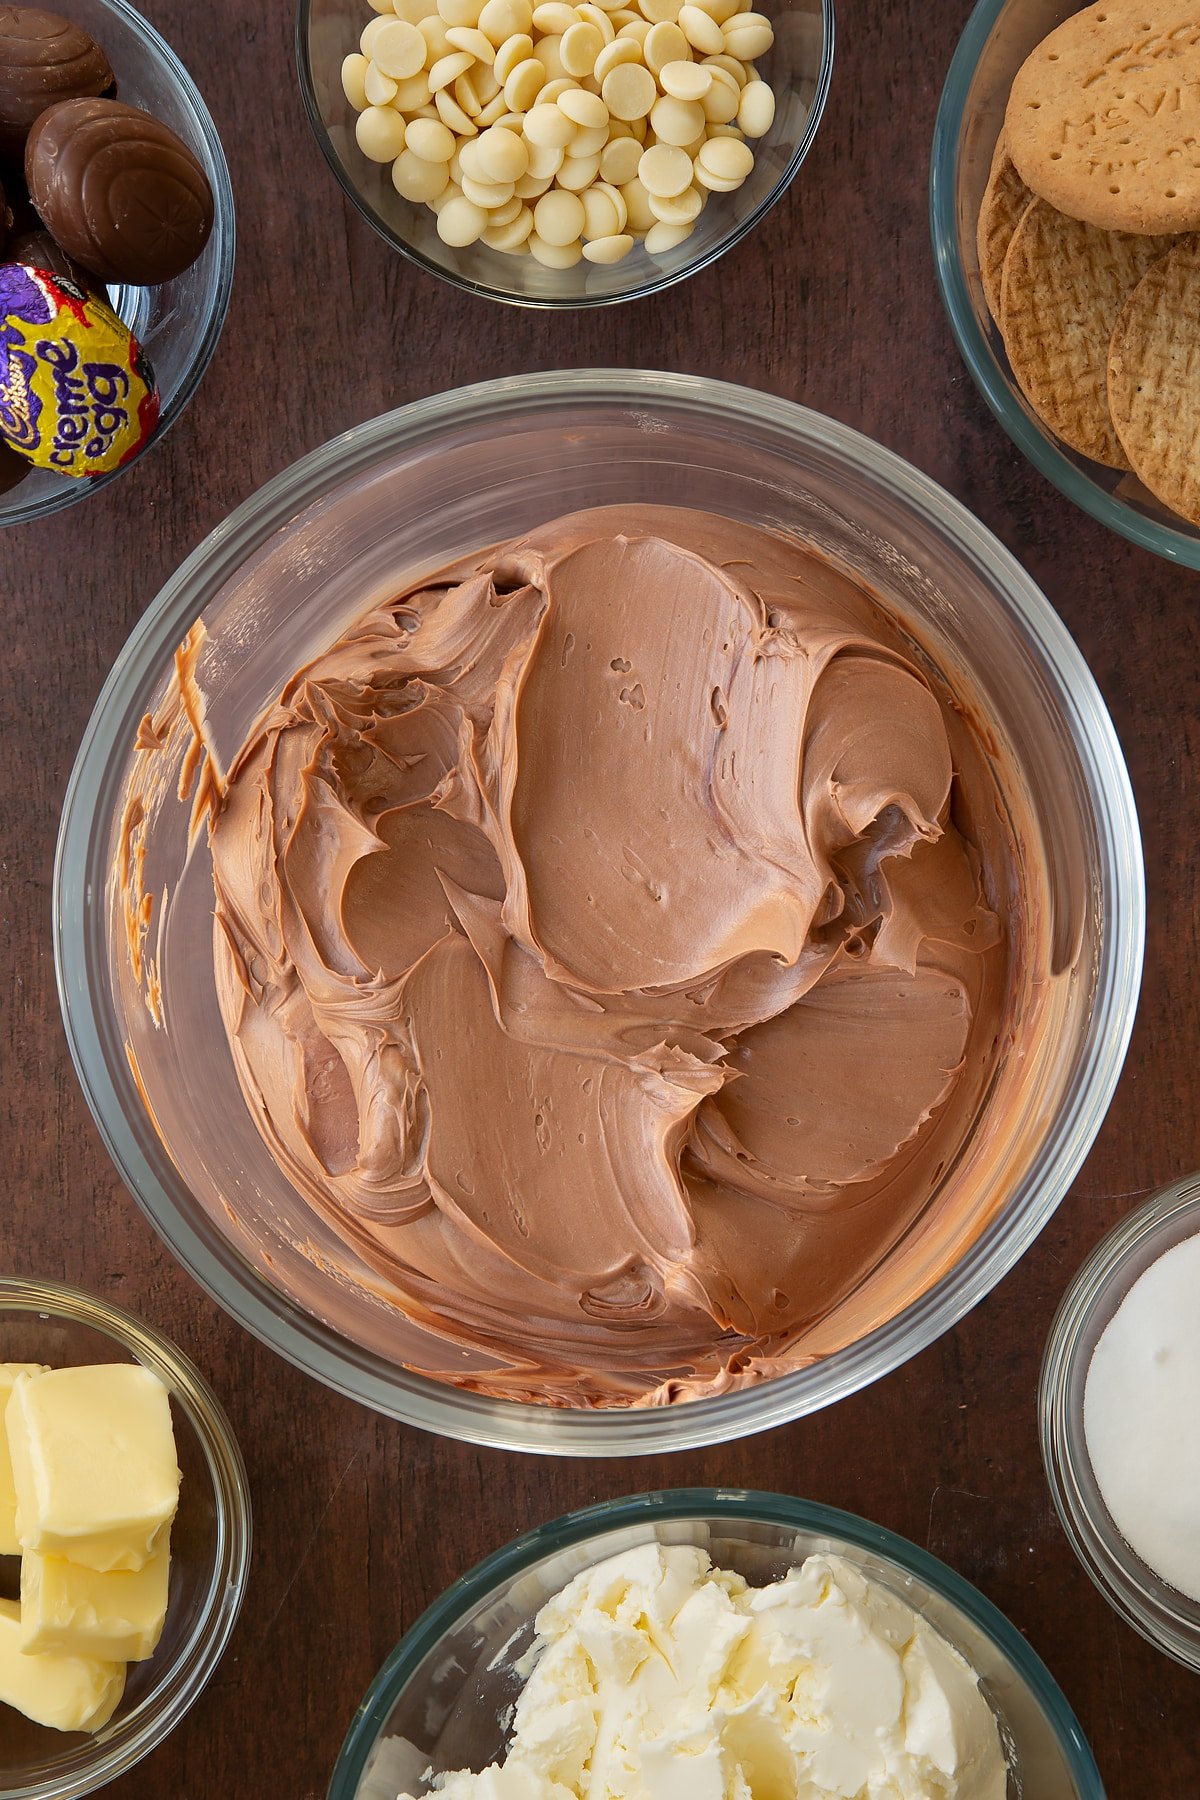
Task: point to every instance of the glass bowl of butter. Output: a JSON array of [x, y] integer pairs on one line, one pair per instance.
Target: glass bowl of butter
[[117, 1596], [718, 1636]]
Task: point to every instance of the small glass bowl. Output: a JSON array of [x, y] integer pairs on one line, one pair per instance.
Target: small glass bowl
[[178, 322], [798, 67], [999, 36], [1164, 1616], [42, 1321], [445, 1694]]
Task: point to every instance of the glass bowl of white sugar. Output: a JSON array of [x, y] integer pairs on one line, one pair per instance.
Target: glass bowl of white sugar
[[1119, 1403]]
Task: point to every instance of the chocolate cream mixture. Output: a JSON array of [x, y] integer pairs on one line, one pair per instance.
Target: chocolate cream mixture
[[614, 935]]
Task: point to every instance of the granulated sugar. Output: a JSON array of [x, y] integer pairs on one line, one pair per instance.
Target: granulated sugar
[[1141, 1417]]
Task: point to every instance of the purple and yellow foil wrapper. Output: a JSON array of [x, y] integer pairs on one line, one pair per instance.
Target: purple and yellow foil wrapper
[[77, 392]]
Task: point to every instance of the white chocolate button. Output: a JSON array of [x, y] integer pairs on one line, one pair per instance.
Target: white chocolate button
[[586, 110], [502, 155], [545, 160], [452, 114], [637, 201], [619, 162], [354, 76], [637, 31], [739, 71], [608, 249], [664, 170], [461, 223], [381, 6], [726, 158], [514, 50], [532, 187], [748, 36], [756, 109], [460, 12], [429, 139], [548, 128], [601, 217], [559, 218], [548, 52], [663, 44], [701, 32], [378, 87], [685, 80], [503, 215], [723, 98], [553, 17], [399, 50], [502, 19], [606, 190], [663, 237], [524, 84], [659, 11], [720, 10], [621, 50], [495, 110], [676, 121], [513, 234], [580, 47], [380, 133], [472, 40], [578, 172], [681, 210], [594, 15], [629, 91], [416, 179], [447, 69], [412, 94], [588, 142], [370, 33], [488, 194], [554, 256], [436, 33], [412, 11]]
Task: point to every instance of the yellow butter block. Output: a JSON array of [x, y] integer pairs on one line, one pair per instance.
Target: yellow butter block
[[94, 1465], [8, 1494], [68, 1693], [116, 1617]]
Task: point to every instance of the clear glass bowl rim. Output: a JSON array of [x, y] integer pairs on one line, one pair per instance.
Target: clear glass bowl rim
[[434, 1405], [1112, 1565], [735, 1504], [567, 302], [1162, 539], [181, 1682], [202, 353]]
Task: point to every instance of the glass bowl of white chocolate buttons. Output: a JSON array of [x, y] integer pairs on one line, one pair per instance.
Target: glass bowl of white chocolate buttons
[[124, 1539], [556, 155]]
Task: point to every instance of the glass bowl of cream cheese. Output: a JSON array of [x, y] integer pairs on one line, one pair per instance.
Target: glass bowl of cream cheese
[[1118, 1402], [391, 1206], [699, 1639], [46, 1325]]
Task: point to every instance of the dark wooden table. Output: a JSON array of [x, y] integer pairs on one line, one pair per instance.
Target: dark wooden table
[[360, 1522]]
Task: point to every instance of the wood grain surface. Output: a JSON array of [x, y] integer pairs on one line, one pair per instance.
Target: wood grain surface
[[360, 1522]]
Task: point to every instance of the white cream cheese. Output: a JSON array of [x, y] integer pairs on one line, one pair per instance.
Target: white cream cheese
[[658, 1677]]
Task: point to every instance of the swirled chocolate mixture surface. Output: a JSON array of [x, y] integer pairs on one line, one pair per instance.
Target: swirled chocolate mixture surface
[[613, 935]]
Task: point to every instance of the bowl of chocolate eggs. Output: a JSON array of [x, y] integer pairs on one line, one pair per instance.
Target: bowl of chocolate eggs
[[116, 248]]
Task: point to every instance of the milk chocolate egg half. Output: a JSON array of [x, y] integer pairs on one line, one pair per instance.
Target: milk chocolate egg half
[[118, 190], [43, 58]]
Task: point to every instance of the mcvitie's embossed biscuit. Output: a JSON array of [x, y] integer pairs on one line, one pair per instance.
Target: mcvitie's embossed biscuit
[[1005, 200], [1063, 288], [1154, 378], [1103, 120]]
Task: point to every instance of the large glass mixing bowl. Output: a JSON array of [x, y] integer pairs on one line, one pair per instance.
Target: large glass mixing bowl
[[284, 575]]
